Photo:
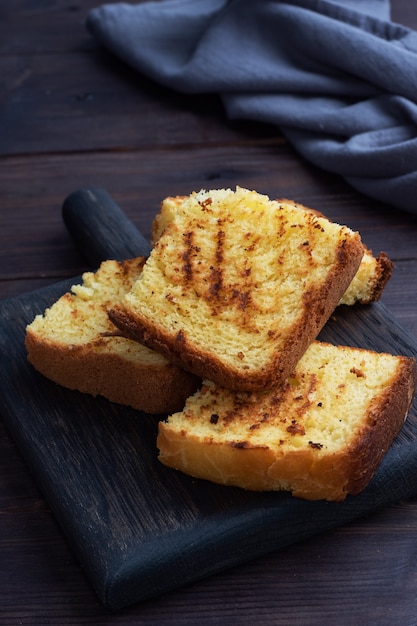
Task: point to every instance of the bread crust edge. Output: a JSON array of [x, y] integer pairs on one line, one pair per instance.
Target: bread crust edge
[[154, 389]]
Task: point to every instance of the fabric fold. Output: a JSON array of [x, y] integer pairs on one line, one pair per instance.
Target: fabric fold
[[338, 78]]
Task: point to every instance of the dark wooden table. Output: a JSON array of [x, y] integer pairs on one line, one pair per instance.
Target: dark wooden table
[[73, 116]]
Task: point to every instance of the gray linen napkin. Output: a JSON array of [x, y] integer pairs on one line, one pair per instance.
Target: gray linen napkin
[[336, 76]]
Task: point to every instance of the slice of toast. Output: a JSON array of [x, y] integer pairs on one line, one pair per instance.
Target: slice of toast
[[367, 285], [76, 345], [238, 286], [321, 436]]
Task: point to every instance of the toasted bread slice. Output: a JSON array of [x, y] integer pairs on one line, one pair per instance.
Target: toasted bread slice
[[76, 345], [321, 436], [238, 286], [367, 285]]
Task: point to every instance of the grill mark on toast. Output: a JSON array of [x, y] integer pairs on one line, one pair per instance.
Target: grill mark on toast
[[222, 289], [186, 256], [217, 272]]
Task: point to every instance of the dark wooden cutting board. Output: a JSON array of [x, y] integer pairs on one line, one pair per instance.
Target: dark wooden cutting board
[[140, 529]]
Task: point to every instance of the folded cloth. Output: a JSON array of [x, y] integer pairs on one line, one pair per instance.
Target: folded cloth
[[336, 76]]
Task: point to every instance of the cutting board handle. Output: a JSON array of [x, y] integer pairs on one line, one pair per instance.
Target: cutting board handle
[[100, 228]]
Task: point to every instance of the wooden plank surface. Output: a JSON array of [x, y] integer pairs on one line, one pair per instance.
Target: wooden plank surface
[[63, 127]]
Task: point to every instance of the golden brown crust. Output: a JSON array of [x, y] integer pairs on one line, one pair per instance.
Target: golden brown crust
[[385, 419], [383, 272], [308, 471], [155, 389]]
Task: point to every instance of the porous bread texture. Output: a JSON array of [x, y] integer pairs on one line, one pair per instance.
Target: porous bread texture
[[77, 346], [367, 285], [238, 286], [321, 436]]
